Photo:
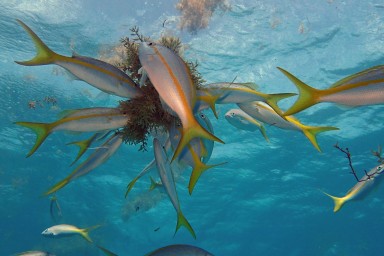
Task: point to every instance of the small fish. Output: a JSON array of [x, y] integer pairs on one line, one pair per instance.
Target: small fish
[[35, 253], [243, 121], [167, 179], [264, 113], [362, 188], [98, 157], [81, 120], [171, 77], [97, 73], [238, 93], [146, 169], [55, 209], [180, 250], [69, 230], [363, 88]]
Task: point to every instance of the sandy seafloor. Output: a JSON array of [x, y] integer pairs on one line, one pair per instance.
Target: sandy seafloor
[[266, 200]]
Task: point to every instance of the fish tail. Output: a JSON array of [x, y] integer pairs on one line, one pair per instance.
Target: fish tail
[[273, 99], [58, 186], [261, 128], [85, 232], [211, 101], [44, 55], [308, 96], [264, 133], [42, 130], [83, 146], [198, 169], [190, 131], [106, 251], [182, 221], [311, 132], [338, 201], [153, 184], [130, 186]]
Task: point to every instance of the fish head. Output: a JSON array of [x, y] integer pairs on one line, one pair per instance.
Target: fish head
[[48, 232], [380, 169], [147, 48], [233, 116]]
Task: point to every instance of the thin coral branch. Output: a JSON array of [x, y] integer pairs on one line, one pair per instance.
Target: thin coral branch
[[367, 175], [348, 154]]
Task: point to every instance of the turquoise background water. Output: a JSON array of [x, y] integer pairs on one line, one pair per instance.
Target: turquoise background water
[[266, 200]]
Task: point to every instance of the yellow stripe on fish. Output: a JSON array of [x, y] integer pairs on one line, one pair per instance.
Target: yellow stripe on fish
[[97, 73], [171, 78], [363, 88]]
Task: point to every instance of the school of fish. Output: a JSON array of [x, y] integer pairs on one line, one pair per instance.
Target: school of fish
[[190, 142]]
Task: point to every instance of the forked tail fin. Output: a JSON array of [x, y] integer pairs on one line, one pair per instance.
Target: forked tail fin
[[272, 100], [311, 132], [338, 201], [85, 232], [58, 186], [44, 55], [192, 130], [42, 131], [308, 96], [182, 221]]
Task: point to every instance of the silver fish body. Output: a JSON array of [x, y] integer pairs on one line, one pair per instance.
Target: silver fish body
[[35, 253], [362, 189]]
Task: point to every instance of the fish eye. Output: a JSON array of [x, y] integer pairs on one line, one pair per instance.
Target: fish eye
[[150, 44], [232, 114], [379, 168]]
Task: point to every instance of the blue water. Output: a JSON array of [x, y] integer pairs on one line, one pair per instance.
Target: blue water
[[266, 200]]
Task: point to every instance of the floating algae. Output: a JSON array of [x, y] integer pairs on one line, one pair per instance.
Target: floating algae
[[146, 112]]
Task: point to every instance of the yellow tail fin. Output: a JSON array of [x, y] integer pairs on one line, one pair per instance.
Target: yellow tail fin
[[272, 100], [83, 146], [311, 132], [44, 55], [182, 221], [190, 131], [42, 131], [338, 201], [85, 232], [198, 169], [58, 186], [308, 96]]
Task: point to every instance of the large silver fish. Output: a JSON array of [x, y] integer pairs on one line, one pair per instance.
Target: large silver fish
[[264, 113], [167, 179], [363, 88], [224, 93], [97, 73], [179, 250], [81, 120], [172, 80], [98, 157], [362, 188]]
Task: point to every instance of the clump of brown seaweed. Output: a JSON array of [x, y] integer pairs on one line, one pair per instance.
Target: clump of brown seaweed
[[146, 112]]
